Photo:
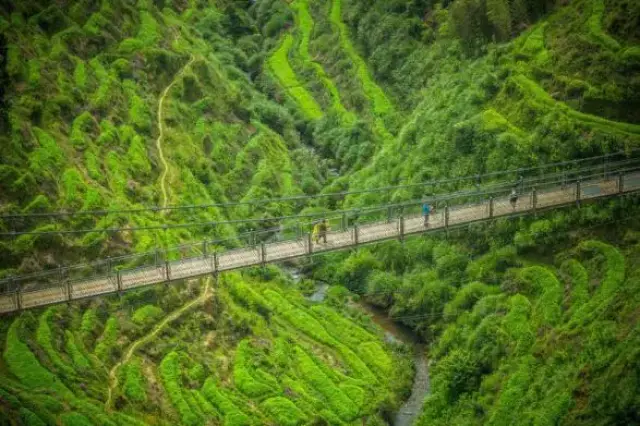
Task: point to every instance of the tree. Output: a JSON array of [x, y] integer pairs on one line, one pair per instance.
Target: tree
[[499, 18]]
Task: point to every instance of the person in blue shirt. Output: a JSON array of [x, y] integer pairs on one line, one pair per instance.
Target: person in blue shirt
[[426, 211]]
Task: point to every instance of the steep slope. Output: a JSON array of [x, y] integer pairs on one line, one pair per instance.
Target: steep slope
[[243, 352]]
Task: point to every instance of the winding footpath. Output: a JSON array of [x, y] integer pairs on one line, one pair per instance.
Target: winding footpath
[[113, 373], [163, 160]]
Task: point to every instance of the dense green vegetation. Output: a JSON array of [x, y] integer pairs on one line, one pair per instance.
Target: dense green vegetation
[[119, 105], [265, 356]]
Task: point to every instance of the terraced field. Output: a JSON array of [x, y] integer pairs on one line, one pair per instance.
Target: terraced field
[[267, 356]]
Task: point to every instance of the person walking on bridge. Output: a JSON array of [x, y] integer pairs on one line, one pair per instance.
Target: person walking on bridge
[[426, 211], [323, 228], [513, 198], [315, 234]]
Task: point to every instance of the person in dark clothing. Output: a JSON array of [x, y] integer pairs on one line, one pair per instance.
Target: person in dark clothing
[[513, 198]]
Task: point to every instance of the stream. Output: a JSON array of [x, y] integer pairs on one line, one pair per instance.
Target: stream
[[395, 333]]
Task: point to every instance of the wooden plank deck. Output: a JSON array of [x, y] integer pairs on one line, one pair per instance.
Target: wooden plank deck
[[554, 197]]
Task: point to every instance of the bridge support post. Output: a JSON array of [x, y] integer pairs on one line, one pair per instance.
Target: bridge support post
[[490, 207], [216, 266], [263, 254], [119, 281], [446, 219], [534, 199], [446, 216], [64, 283], [167, 272], [204, 249], [216, 291], [309, 244], [620, 183], [355, 235], [401, 227], [389, 214], [18, 294], [344, 222], [578, 192]]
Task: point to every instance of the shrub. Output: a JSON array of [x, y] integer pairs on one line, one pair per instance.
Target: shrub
[[81, 125], [138, 158], [335, 398], [79, 360], [80, 75], [147, 315], [105, 346], [89, 323], [45, 340], [547, 310], [47, 158], [380, 103], [73, 187], [171, 379], [280, 66], [139, 114], [232, 414], [29, 418], [465, 298], [507, 409], [613, 279], [579, 280], [135, 386], [34, 72], [23, 364], [353, 273], [75, 419], [283, 411], [254, 383], [517, 324]]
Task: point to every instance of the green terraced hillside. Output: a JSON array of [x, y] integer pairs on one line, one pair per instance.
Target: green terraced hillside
[[144, 125]]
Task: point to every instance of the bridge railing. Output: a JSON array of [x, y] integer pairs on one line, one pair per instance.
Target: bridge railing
[[350, 228]]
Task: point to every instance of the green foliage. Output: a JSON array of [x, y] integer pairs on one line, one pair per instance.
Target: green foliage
[[172, 381], [334, 397], [81, 125], [106, 344], [29, 418], [547, 311], [80, 75], [466, 298], [89, 323], [147, 315], [80, 361], [73, 187], [381, 104], [279, 64], [253, 382], [232, 414], [23, 364], [75, 419], [283, 411], [135, 385], [47, 158], [45, 339], [594, 26], [139, 114], [354, 272]]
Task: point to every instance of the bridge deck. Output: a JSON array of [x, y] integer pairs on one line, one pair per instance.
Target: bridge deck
[[33, 295]]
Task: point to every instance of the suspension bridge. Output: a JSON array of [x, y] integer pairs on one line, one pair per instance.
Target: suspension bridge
[[398, 221]]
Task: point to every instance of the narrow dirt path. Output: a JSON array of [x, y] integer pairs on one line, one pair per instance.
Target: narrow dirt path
[[163, 160], [113, 373]]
